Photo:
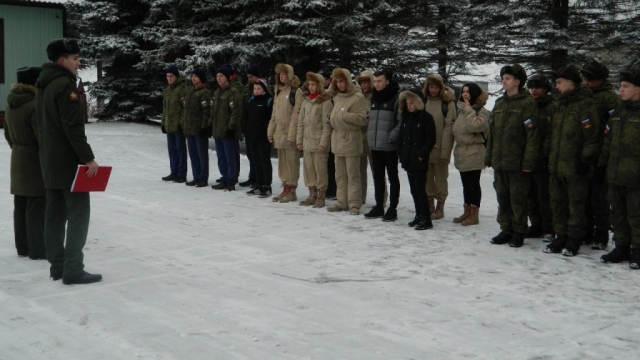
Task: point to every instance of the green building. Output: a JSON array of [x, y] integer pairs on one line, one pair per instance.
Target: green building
[[26, 27]]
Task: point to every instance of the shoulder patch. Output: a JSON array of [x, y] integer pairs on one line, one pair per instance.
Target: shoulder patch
[[586, 123], [528, 123], [73, 96]]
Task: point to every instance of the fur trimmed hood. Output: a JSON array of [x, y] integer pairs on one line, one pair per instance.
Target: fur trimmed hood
[[21, 94], [366, 75], [17, 87], [447, 94], [292, 79], [343, 74], [319, 80], [482, 99], [410, 95]]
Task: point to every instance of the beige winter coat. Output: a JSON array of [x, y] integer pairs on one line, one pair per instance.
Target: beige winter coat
[[434, 107], [313, 122], [468, 130], [284, 117], [366, 75], [349, 115]]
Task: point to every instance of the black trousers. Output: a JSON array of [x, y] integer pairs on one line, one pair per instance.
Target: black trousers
[[332, 187], [471, 187], [28, 224], [261, 161], [386, 161], [417, 184]]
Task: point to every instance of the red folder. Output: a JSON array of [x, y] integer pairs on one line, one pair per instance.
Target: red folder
[[98, 182]]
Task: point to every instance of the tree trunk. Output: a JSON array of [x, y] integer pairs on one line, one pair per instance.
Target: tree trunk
[[560, 16]]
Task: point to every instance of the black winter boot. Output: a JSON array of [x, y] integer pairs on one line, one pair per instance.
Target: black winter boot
[[634, 259], [619, 254], [169, 178], [390, 215], [600, 239], [517, 240], [82, 278], [502, 238], [415, 221], [424, 223], [556, 246], [534, 232], [572, 247], [376, 212]]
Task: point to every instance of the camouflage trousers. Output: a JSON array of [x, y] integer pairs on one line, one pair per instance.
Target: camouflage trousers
[[625, 215], [539, 202], [598, 208], [512, 189], [568, 199]]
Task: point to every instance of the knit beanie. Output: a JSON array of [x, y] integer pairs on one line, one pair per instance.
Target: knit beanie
[[263, 83], [201, 73], [224, 70], [254, 70], [172, 69]]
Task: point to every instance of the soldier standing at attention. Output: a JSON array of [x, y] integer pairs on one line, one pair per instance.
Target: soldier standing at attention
[[572, 144], [595, 77], [197, 103], [172, 113], [63, 146], [621, 156], [512, 151]]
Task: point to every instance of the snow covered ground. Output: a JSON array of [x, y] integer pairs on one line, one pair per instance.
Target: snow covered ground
[[202, 274]]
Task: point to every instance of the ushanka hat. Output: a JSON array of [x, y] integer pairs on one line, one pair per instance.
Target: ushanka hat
[[631, 75], [28, 75], [570, 72], [62, 47], [517, 71], [595, 70]]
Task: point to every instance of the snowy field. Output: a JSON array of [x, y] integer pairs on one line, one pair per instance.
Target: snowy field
[[201, 274]]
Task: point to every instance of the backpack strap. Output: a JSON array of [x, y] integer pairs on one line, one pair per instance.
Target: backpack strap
[[292, 96]]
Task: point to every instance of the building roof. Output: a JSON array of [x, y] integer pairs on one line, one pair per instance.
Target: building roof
[[33, 3]]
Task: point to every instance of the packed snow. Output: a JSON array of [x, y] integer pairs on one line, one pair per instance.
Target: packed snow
[[201, 274]]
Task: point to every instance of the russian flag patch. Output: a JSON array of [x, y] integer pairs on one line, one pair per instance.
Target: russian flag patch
[[606, 129], [586, 124], [528, 123]]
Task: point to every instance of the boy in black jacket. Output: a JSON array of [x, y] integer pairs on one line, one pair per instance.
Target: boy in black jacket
[[417, 138], [257, 115]]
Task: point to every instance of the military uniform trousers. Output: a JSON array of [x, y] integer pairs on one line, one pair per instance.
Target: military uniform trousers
[[512, 189], [598, 209], [568, 199], [349, 193], [72, 210], [177, 146], [539, 202], [437, 181], [289, 166], [28, 225], [315, 169], [199, 154], [625, 215]]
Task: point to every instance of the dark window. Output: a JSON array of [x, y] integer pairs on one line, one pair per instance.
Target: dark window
[[1, 51]]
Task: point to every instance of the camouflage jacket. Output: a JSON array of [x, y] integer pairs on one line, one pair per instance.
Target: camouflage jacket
[[620, 152], [172, 106], [514, 142], [545, 106], [226, 113], [606, 101], [197, 103], [572, 136]]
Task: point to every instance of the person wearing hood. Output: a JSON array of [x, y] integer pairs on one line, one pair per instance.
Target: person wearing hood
[[513, 152], [415, 142], [331, 163], [172, 114], [282, 130], [225, 123], [27, 186], [572, 144], [441, 105], [621, 157], [470, 131], [347, 118], [595, 76], [253, 73], [62, 147], [539, 209], [313, 136], [196, 127], [382, 135], [257, 114]]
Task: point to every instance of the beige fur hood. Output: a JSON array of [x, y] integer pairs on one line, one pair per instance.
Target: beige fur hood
[[292, 79], [447, 94], [411, 95], [344, 74], [319, 80]]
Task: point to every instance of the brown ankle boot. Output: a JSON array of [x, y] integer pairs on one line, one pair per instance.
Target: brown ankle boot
[[464, 216], [290, 196], [319, 199], [285, 191], [473, 216], [311, 199], [439, 212]]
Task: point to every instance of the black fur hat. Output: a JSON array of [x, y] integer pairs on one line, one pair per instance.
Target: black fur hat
[[539, 80], [631, 75], [595, 70], [570, 72], [62, 47], [516, 70], [28, 75]]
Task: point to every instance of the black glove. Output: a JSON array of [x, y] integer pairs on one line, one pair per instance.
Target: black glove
[[582, 168], [205, 132], [163, 130], [230, 134]]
